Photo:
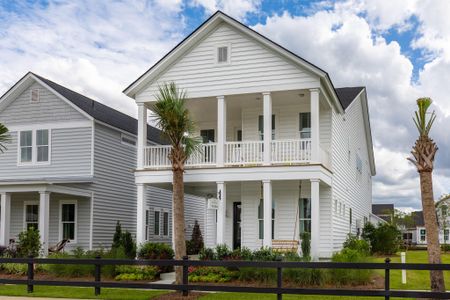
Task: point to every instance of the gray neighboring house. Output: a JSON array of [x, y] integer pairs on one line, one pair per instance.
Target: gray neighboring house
[[69, 170], [384, 211]]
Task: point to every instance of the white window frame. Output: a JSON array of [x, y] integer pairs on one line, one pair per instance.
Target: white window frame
[[446, 235], [25, 204], [163, 212], [216, 54], [424, 235], [129, 137], [305, 130], [34, 147], [75, 202]]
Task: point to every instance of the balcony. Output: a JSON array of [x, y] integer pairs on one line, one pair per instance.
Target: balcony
[[247, 153]]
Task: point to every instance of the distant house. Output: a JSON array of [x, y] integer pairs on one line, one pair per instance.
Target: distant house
[[69, 170], [384, 211]]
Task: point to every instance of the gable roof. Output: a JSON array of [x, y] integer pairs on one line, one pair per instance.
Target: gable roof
[[418, 219], [348, 94], [202, 31], [94, 109], [382, 209]]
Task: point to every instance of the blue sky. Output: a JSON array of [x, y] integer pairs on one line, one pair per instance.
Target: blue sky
[[399, 50]]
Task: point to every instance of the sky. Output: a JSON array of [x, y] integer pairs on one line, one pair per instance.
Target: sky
[[399, 50]]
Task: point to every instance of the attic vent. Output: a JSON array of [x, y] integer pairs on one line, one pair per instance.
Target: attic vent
[[222, 54], [34, 96]]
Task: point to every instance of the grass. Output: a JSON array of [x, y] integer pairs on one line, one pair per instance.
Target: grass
[[78, 293], [239, 296]]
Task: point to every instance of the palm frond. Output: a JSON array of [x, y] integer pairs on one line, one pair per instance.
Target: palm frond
[[5, 137], [421, 121]]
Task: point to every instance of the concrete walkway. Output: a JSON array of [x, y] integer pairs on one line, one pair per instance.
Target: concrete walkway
[[166, 278]]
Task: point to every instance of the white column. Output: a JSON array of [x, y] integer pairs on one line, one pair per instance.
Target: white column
[[267, 111], [315, 218], [221, 212], [315, 138], [142, 135], [221, 129], [5, 218], [267, 196], [140, 216], [44, 217]]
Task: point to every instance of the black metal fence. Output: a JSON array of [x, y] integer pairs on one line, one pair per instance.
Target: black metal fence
[[279, 290]]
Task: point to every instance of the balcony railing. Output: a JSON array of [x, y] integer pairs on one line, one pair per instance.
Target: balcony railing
[[237, 154]]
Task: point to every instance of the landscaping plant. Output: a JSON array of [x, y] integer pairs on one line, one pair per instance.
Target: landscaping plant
[[174, 120], [196, 244], [29, 243], [424, 151], [384, 239], [151, 250], [306, 244], [123, 240]]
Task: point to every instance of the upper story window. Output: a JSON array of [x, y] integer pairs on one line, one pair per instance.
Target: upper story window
[[305, 125], [34, 146], [223, 54], [261, 127], [34, 97]]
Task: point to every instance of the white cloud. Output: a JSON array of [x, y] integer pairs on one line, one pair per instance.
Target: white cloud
[[236, 8]]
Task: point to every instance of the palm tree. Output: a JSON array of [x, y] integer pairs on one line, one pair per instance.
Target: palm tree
[[424, 151], [174, 120], [4, 137]]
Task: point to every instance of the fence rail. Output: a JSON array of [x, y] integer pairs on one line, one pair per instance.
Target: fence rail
[[279, 290]]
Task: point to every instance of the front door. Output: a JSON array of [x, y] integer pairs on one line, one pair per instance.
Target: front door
[[236, 225]]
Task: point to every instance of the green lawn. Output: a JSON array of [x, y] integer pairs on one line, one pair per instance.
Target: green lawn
[[238, 296], [415, 280]]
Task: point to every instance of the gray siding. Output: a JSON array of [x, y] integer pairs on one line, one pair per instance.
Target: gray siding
[[70, 156], [49, 109]]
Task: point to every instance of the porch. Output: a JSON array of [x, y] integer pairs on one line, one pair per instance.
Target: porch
[[58, 212]]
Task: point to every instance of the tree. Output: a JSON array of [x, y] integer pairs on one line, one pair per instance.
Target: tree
[[424, 151], [4, 137], [174, 120]]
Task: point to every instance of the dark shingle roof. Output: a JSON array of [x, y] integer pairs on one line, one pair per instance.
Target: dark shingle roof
[[417, 217], [382, 209], [347, 94], [102, 112]]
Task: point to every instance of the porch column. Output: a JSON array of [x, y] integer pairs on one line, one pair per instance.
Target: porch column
[[140, 217], [267, 111], [267, 196], [221, 130], [142, 135], [44, 216], [5, 218], [221, 212], [315, 218], [315, 138]]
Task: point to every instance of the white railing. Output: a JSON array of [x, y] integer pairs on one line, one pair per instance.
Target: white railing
[[291, 151], [206, 156], [242, 153]]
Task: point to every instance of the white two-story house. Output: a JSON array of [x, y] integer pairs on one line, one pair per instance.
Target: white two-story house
[[284, 151], [69, 170]]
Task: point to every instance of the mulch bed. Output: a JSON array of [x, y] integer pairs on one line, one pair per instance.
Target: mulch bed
[[179, 296]]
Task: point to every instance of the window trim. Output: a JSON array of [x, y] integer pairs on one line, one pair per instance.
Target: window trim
[[302, 130], [25, 204], [216, 54], [161, 212], [34, 146], [423, 235], [299, 212], [75, 202], [163, 223]]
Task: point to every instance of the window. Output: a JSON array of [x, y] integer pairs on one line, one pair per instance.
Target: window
[[42, 145], [305, 125], [34, 146], [446, 232], [304, 215], [147, 224], [444, 210], [165, 223], [239, 135], [128, 140], [261, 127], [68, 220], [207, 135], [350, 212], [335, 206], [26, 146], [261, 219], [222, 54], [423, 235], [156, 227], [31, 219], [34, 97]]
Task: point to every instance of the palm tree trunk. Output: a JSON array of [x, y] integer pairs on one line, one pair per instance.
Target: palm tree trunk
[[178, 217], [431, 226]]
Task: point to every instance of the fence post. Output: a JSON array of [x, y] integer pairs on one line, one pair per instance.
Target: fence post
[[387, 279], [279, 278], [30, 274], [185, 275], [403, 257], [97, 274]]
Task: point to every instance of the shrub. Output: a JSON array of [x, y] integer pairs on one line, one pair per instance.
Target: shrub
[[306, 244], [151, 250], [130, 273], [125, 241], [29, 243], [354, 243], [264, 275], [212, 274], [222, 252], [117, 237], [349, 276], [302, 276], [384, 239], [264, 254], [445, 247], [207, 254], [71, 270], [241, 254], [196, 243]]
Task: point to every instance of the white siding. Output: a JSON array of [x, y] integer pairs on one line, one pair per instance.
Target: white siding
[[253, 68]]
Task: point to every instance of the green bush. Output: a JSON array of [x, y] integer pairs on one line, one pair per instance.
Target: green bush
[[71, 270], [222, 252], [263, 275], [29, 243], [384, 239], [151, 250], [306, 244], [354, 243], [130, 273], [125, 241], [349, 276], [265, 254], [445, 247], [211, 274], [196, 243], [207, 254]]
